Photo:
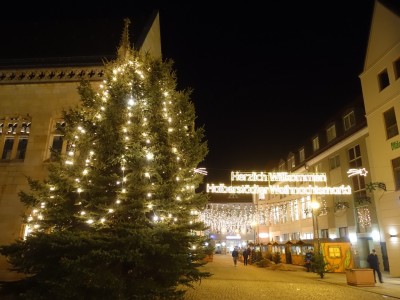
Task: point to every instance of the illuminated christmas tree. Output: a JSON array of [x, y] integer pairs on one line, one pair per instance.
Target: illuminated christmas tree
[[117, 217]]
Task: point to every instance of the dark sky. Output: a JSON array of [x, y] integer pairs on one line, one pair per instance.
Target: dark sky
[[265, 75]]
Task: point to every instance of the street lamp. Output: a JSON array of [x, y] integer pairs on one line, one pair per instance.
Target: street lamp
[[315, 206]]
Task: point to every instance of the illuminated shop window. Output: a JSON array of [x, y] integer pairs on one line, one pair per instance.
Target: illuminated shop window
[[334, 252]]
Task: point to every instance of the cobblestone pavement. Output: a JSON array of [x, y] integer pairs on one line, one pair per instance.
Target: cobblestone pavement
[[245, 282]]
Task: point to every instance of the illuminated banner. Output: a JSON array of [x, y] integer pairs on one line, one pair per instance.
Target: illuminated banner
[[277, 176], [272, 178], [280, 190]]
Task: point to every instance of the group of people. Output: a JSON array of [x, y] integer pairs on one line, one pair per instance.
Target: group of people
[[235, 255], [372, 260]]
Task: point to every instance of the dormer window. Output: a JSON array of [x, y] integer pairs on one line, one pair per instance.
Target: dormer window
[[315, 143], [331, 133], [291, 161], [349, 120]]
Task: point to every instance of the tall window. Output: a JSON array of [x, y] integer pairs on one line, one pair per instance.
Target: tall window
[[14, 134], [331, 133], [383, 79], [324, 233], [334, 162], [355, 162], [396, 67], [318, 168], [343, 232], [8, 146], [295, 210], [390, 123], [315, 143], [396, 172], [349, 120], [58, 144]]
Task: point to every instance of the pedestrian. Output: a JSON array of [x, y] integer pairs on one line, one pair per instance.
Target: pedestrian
[[307, 260], [235, 255], [373, 261], [245, 256]]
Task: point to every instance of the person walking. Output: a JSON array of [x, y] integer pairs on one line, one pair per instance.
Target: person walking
[[235, 255], [245, 256], [373, 261], [308, 259]]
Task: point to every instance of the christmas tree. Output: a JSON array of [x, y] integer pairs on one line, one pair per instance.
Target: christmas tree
[[116, 218]]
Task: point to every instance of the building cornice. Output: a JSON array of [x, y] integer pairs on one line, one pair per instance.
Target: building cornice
[[51, 74]]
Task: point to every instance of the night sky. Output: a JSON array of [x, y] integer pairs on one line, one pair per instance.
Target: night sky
[[265, 75]]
